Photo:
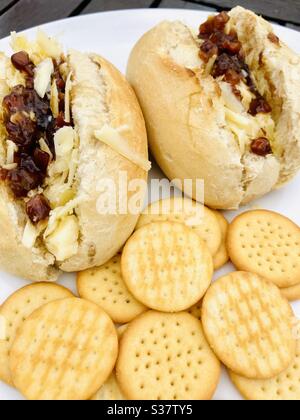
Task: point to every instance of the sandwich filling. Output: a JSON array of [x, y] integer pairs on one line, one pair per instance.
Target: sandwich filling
[[41, 144], [248, 113]]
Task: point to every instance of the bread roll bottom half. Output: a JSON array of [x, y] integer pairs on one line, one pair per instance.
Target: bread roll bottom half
[[221, 105], [54, 109]]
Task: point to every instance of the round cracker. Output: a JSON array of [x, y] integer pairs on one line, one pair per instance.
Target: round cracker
[[196, 310], [105, 287], [267, 244], [222, 257], [109, 391], [284, 387], [291, 293], [249, 325], [166, 357], [65, 350], [184, 210], [167, 267], [16, 309]]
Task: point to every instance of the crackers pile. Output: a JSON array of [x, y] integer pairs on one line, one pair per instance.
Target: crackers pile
[[167, 266], [211, 226], [285, 386], [71, 348], [17, 309], [105, 287], [151, 325]]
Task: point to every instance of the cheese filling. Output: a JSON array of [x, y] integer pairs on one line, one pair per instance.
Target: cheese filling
[[245, 127], [248, 115], [113, 138], [41, 150]]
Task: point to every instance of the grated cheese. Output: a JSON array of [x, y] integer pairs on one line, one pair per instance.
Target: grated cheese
[[30, 235], [10, 166], [54, 100], [68, 98], [112, 138], [209, 66], [20, 43], [64, 141], [59, 194], [49, 46], [63, 241], [230, 99], [12, 148], [42, 77], [59, 213], [240, 120], [43, 47], [44, 147]]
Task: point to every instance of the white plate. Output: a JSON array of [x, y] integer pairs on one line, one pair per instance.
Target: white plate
[[113, 34]]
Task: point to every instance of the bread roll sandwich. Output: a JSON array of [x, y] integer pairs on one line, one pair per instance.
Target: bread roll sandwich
[[67, 122], [221, 105]]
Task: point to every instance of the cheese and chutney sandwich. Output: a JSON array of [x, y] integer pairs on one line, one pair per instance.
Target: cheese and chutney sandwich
[[221, 105], [66, 123]]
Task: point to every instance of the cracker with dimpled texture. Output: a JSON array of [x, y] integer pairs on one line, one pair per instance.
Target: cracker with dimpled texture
[[221, 257], [17, 308], [166, 266], [184, 210], [65, 350], [105, 287], [267, 244], [249, 325], [166, 357], [284, 387]]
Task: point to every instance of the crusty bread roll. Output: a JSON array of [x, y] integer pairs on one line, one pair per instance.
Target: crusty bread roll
[[75, 236], [199, 129]]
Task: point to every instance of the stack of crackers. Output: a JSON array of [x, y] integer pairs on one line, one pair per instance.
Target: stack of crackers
[[151, 324]]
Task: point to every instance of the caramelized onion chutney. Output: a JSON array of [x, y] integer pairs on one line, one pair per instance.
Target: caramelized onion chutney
[[230, 64], [261, 146], [27, 119]]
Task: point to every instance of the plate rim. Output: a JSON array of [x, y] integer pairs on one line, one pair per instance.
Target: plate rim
[[136, 11]]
